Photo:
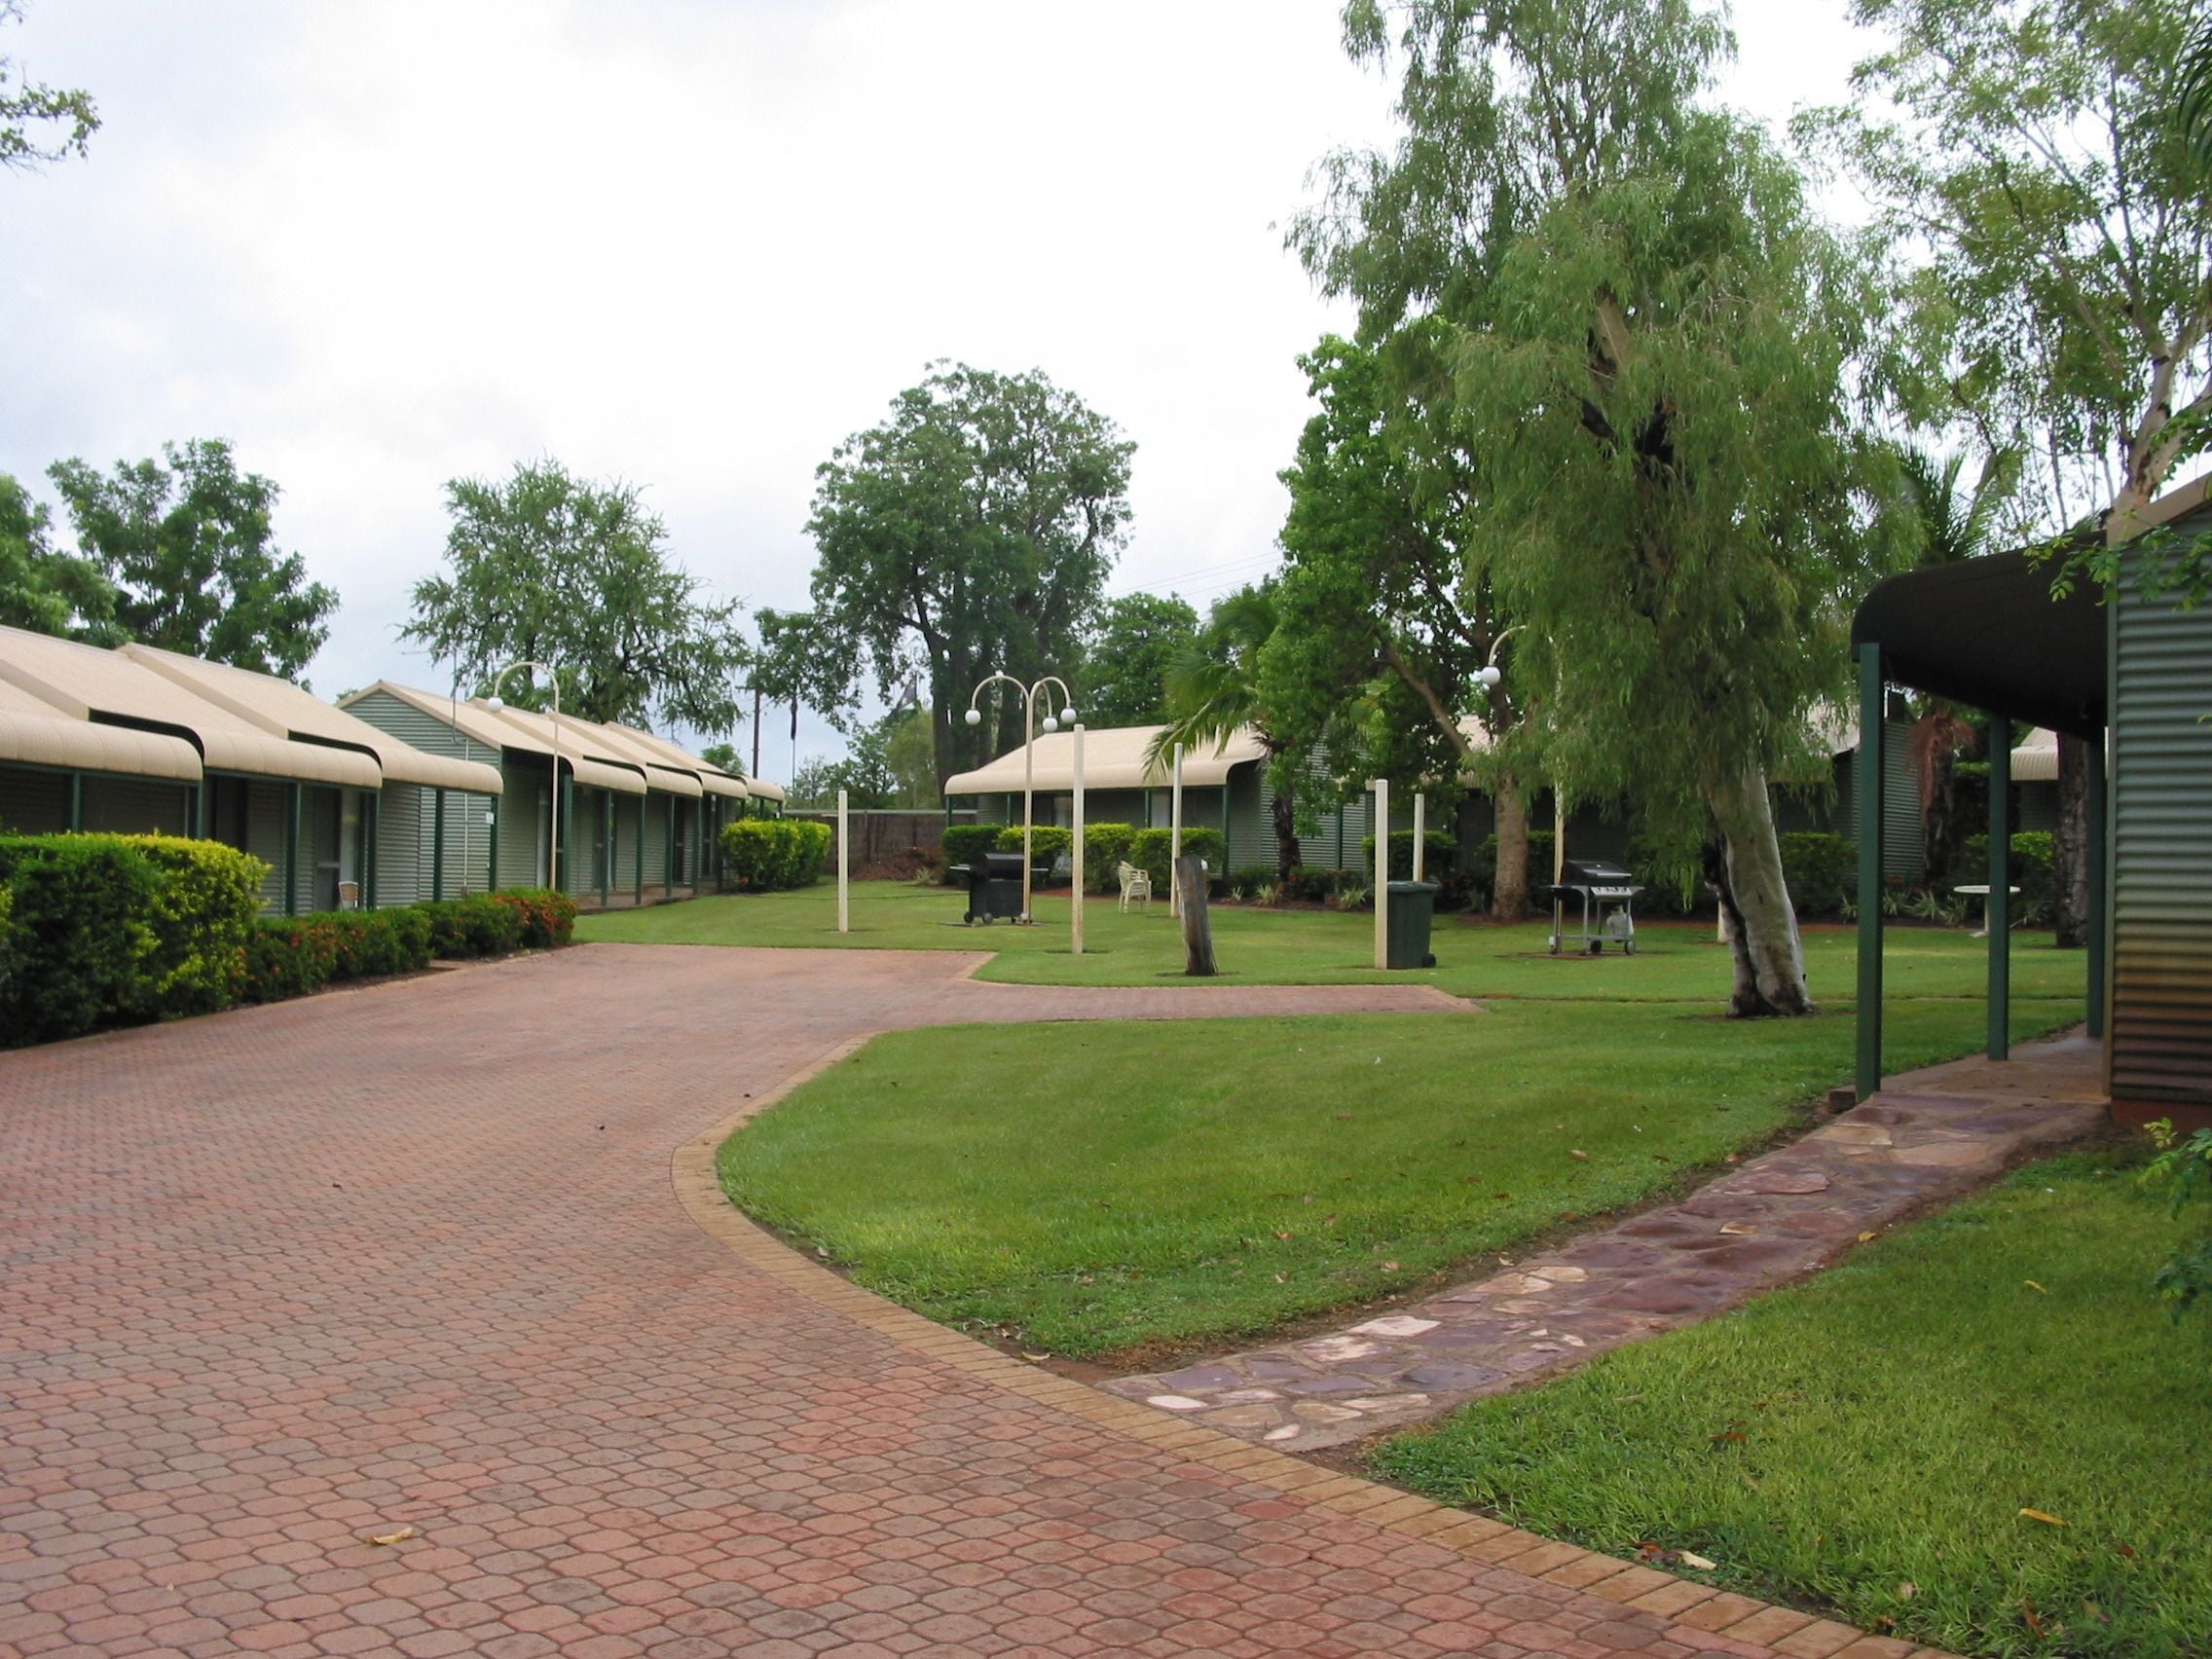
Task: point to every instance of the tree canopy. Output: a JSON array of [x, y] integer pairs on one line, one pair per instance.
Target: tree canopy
[[1647, 349], [1125, 658], [42, 588], [545, 567], [187, 545], [972, 530], [39, 123]]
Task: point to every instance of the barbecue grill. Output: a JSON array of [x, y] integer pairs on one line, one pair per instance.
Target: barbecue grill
[[994, 886], [1607, 893]]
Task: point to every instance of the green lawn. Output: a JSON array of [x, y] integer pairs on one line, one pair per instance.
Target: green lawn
[[1674, 961], [1866, 1442], [1097, 1189]]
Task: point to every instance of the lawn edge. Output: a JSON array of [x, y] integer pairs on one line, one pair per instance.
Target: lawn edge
[[696, 1179]]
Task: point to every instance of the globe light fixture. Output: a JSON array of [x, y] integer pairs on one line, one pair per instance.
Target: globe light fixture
[[1049, 723], [495, 704], [1067, 717], [974, 716], [1030, 726]]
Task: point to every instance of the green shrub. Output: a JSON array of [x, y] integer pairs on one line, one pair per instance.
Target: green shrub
[[289, 956], [965, 843], [1105, 848], [543, 917], [2032, 873], [1821, 870], [1312, 884], [1049, 843], [203, 911], [1148, 851], [1443, 855], [79, 935], [374, 942], [1252, 878], [1480, 870], [479, 925], [766, 855]]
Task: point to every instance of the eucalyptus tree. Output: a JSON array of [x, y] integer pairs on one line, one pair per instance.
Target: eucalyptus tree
[[38, 122], [972, 530], [1647, 353], [1126, 659], [2036, 164]]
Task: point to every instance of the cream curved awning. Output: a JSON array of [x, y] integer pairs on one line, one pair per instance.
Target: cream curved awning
[[722, 784], [2036, 762], [84, 682], [1113, 758], [670, 780], [761, 789], [600, 775], [33, 734], [713, 780], [285, 709]]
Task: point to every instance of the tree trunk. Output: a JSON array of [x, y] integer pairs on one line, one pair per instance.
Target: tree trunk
[[1770, 959], [1198, 930], [1284, 813], [1509, 899], [2069, 847]]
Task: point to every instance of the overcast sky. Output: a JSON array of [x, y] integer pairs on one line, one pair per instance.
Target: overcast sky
[[689, 243]]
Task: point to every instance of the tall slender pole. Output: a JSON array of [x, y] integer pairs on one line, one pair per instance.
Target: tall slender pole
[[1866, 798], [1028, 783], [1999, 908], [555, 858], [1382, 872], [1176, 839], [1420, 836], [2094, 754], [844, 865], [1075, 907], [757, 732]]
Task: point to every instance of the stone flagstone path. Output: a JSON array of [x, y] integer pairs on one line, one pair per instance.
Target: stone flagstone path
[[1929, 1136]]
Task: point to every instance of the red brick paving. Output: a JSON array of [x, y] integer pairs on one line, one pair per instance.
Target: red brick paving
[[409, 1257]]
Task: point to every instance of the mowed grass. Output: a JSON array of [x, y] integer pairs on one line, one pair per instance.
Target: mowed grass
[[1866, 1442], [1135, 1189], [1675, 961]]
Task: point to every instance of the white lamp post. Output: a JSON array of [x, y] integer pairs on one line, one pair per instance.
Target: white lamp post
[[1029, 724], [492, 702]]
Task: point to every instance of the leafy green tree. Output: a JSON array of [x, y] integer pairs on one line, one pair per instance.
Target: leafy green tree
[[2192, 99], [1645, 339], [726, 757], [909, 754], [862, 776], [1378, 589], [971, 530], [2031, 149], [188, 549], [42, 589], [1126, 659], [1214, 688], [550, 568], [39, 123]]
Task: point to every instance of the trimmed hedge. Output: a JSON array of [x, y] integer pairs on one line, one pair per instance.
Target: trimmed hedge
[[1443, 855], [545, 917], [1149, 848], [2033, 851], [203, 908], [1105, 847], [79, 936], [1049, 843], [965, 843], [768, 855], [1820, 870]]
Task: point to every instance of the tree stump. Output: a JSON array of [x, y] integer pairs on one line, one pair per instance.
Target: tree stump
[[1197, 931]]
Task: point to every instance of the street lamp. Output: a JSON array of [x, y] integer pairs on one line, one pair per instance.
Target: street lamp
[[1029, 724], [492, 702]]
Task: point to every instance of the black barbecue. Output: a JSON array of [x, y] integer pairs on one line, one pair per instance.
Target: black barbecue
[[1607, 893], [994, 886]]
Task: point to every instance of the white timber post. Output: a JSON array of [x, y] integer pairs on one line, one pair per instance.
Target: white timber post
[[1075, 906], [1382, 872], [1175, 838], [1421, 836], [844, 865]]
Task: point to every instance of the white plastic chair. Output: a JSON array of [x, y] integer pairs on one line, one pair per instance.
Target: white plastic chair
[[1135, 884]]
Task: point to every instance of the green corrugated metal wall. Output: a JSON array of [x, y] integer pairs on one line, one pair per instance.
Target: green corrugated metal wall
[[31, 802], [2161, 804]]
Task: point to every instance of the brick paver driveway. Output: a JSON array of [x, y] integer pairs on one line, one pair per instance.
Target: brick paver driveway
[[411, 1258]]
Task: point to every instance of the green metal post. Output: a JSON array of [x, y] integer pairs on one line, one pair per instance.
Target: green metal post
[[562, 867], [642, 799], [1867, 798], [668, 870], [2000, 887], [292, 853], [372, 810], [2098, 875], [605, 846], [492, 861], [206, 807], [76, 802], [438, 848]]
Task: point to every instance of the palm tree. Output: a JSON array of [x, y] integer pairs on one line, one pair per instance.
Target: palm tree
[[2192, 99], [1954, 526], [1212, 689]]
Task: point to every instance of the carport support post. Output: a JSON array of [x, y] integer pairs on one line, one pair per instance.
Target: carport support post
[[668, 870], [1381, 788], [1074, 840], [491, 859], [2000, 887], [642, 801], [564, 828], [292, 853], [1866, 798], [606, 847], [844, 865], [438, 848], [2094, 757]]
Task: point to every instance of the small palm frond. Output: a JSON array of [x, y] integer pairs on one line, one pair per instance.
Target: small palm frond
[[1936, 739], [2192, 98]]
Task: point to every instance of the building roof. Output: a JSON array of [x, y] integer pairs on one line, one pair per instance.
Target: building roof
[[2036, 761], [523, 731], [35, 733], [107, 689], [1113, 758], [713, 779], [288, 711]]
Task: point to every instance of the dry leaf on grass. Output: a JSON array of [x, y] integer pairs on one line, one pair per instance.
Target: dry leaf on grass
[[1698, 1562], [2039, 1515]]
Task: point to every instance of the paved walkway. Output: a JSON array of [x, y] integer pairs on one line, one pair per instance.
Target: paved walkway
[[405, 1264], [1929, 1137]]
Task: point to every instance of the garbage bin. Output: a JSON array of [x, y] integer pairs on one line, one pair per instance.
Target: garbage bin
[[1413, 908]]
